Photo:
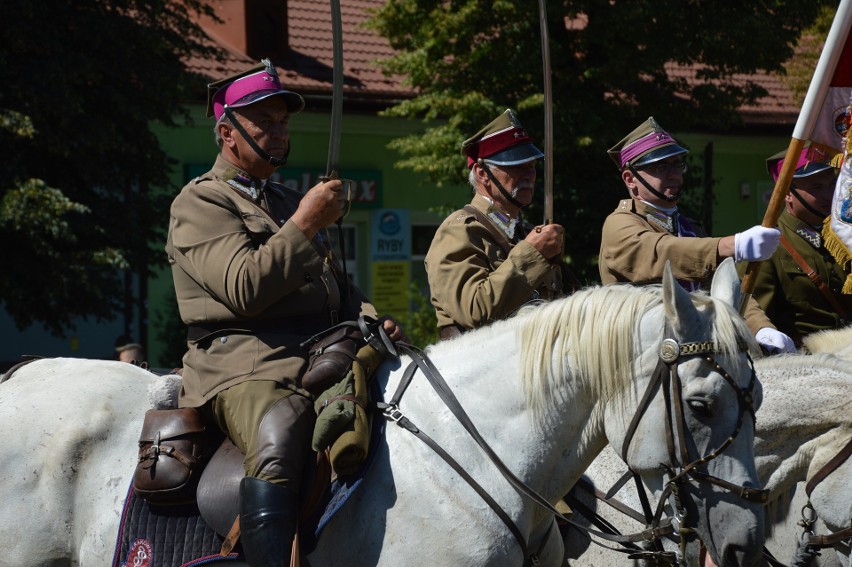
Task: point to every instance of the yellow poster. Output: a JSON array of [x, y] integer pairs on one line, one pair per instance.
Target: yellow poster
[[390, 287]]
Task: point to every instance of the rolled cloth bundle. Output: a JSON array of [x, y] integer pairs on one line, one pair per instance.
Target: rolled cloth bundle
[[349, 452]]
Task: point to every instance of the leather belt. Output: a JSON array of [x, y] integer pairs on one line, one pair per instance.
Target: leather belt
[[295, 325]]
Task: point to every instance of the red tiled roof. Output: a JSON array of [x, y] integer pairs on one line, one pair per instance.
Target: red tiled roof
[[308, 65], [776, 108]]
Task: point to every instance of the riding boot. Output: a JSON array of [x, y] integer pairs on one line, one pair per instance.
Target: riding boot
[[268, 516]]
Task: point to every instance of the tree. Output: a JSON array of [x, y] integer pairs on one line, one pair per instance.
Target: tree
[[611, 63], [82, 82]]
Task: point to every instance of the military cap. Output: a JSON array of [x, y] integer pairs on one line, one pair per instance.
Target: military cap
[[504, 141], [250, 86], [646, 144], [812, 160]]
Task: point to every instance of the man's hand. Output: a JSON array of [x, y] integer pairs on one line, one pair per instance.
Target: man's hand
[[393, 329], [321, 206], [548, 239], [774, 341], [756, 244]]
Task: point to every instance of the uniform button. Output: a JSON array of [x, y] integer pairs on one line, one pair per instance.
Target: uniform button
[[223, 340], [266, 227]]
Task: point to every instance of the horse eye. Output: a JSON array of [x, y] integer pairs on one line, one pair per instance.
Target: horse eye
[[700, 407]]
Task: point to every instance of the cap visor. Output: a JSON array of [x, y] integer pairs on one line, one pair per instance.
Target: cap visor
[[515, 155], [295, 102], [811, 168], [660, 153]]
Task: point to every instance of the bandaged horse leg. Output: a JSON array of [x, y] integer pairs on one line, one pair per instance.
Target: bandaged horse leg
[[275, 459]]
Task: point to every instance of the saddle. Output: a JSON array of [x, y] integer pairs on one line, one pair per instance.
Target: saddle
[[183, 459]]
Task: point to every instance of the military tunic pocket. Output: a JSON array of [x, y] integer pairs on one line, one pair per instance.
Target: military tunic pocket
[[232, 355]]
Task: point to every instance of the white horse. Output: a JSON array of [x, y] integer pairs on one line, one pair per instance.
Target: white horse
[[836, 341], [547, 389], [803, 423]]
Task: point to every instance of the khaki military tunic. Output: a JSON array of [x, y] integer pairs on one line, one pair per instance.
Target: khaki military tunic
[[637, 240], [249, 281], [474, 279], [786, 293]]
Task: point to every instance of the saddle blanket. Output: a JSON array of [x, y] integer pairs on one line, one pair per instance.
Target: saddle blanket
[[172, 536], [165, 536]]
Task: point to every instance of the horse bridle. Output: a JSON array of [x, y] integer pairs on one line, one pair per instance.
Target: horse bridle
[[665, 374], [680, 467]]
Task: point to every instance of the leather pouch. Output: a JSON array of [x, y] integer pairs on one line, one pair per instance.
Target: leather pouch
[[174, 446]]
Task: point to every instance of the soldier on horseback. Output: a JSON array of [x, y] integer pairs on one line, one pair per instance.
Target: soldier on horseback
[[254, 277]]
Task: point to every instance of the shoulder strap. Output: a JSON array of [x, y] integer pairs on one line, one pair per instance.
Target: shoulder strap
[[498, 235], [814, 277]]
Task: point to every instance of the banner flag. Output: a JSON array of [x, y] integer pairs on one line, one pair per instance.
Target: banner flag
[[837, 229]]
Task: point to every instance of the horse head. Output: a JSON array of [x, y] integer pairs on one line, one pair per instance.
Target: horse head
[[691, 435]]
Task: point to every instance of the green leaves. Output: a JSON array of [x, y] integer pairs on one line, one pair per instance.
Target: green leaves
[[82, 83], [613, 65]]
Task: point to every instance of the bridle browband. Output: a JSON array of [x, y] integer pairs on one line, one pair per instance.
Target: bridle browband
[[666, 376]]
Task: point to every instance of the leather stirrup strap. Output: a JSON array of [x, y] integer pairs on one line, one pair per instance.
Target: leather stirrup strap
[[231, 539], [815, 277]]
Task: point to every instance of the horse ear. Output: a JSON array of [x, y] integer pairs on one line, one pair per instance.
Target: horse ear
[[680, 311], [726, 283]]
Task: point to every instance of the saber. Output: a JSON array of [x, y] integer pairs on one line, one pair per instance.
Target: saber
[[548, 114], [333, 162]]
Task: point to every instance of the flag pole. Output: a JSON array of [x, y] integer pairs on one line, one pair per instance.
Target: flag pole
[[804, 129]]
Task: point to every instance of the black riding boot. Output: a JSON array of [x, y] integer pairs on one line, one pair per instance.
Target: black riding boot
[[268, 515]]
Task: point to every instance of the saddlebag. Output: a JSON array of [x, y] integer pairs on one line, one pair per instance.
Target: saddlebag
[[174, 446]]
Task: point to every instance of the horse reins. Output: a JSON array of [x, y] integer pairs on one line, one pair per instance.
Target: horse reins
[[670, 351], [667, 378]]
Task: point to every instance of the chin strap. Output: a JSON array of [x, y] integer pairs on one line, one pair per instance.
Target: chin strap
[[277, 162], [500, 185], [810, 208], [669, 198]]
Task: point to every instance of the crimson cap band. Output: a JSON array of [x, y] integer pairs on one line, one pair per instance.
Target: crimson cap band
[[253, 85], [646, 144], [504, 141], [812, 160]]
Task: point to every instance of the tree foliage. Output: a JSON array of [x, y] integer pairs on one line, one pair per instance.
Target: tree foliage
[[82, 82], [612, 66]]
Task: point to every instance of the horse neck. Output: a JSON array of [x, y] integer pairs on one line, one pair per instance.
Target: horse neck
[[803, 406], [483, 373]]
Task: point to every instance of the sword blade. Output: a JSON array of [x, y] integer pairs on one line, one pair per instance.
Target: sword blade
[[333, 162], [548, 114]]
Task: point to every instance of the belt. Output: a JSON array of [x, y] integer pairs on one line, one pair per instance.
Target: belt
[[296, 325]]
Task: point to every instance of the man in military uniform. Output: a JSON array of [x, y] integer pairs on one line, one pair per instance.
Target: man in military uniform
[[254, 277], [799, 287], [483, 264], [646, 231]]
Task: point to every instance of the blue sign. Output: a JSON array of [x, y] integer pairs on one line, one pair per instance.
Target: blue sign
[[390, 234]]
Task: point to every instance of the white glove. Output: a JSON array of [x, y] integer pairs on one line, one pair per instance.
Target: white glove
[[774, 341], [756, 244]]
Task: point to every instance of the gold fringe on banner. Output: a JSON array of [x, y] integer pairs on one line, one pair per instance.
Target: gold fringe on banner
[[838, 249]]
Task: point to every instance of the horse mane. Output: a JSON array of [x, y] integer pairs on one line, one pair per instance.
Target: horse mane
[[596, 328]]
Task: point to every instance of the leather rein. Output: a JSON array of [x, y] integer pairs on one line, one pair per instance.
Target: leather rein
[[666, 376]]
